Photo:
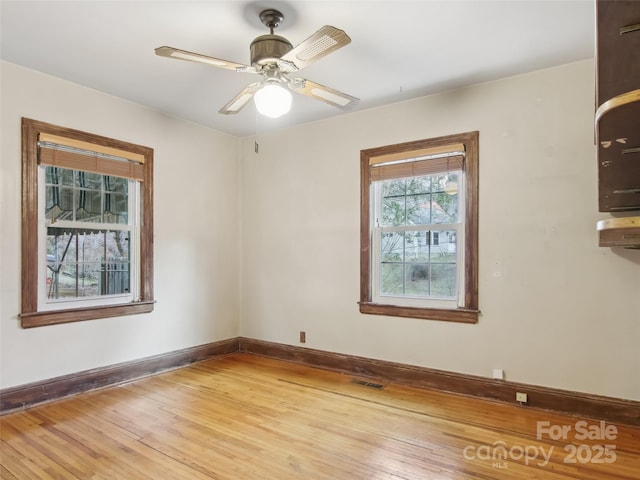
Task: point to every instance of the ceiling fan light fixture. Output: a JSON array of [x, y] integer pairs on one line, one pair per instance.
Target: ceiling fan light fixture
[[273, 57], [273, 100]]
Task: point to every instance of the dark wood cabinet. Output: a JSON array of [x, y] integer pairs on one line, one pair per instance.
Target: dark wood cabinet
[[618, 101]]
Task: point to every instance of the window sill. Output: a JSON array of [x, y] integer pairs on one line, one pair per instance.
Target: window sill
[[460, 315], [40, 319]]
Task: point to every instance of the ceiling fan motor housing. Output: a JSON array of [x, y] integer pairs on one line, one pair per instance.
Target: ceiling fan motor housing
[[268, 49]]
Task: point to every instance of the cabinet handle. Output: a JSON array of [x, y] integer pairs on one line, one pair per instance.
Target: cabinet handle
[[630, 28], [628, 236], [628, 190], [624, 209], [617, 101], [627, 151]]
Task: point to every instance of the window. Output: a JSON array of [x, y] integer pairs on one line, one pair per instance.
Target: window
[[87, 226], [419, 229]]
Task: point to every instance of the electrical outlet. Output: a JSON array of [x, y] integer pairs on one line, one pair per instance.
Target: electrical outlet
[[521, 397], [498, 373], [303, 337]]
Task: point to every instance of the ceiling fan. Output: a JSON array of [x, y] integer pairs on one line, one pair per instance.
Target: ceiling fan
[[274, 58]]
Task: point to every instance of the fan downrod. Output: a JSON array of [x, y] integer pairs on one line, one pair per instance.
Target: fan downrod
[[271, 18]]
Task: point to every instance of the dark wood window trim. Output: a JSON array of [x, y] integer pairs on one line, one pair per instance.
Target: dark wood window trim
[[30, 316], [469, 313]]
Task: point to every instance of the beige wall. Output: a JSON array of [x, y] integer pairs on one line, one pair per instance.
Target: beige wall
[[196, 233], [557, 310]]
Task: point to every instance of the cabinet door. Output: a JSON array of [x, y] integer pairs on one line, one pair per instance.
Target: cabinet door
[[618, 53], [618, 72], [619, 159]]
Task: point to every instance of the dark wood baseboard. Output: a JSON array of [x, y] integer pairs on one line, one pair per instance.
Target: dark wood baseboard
[[23, 396], [562, 401]]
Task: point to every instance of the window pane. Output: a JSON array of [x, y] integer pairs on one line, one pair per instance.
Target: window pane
[[443, 280], [416, 246], [116, 208], [59, 203], [393, 211], [88, 206], [51, 176], [67, 177], [417, 185], [61, 283], [66, 201], [116, 184], [418, 209], [87, 263], [81, 262], [58, 176], [417, 279], [443, 247], [392, 188], [58, 200], [392, 246], [419, 263], [431, 199], [89, 180], [86, 197], [392, 279], [117, 246], [445, 208], [445, 198]]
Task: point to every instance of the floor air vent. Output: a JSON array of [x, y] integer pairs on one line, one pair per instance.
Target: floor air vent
[[368, 384]]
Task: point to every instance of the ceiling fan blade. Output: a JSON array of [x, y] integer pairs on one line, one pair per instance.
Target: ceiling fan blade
[[326, 40], [324, 94], [171, 52], [238, 102]]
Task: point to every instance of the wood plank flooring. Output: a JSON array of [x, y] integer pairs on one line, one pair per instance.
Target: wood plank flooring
[[248, 417]]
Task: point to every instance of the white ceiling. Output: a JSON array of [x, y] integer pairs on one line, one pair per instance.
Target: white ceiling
[[399, 50]]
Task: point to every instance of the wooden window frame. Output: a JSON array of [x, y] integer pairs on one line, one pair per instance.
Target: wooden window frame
[[30, 316], [469, 312]]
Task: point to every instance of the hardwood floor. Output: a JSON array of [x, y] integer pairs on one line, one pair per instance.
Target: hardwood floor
[[248, 417]]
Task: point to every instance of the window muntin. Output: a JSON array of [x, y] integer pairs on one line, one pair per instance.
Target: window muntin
[[77, 196], [419, 210], [87, 264], [90, 226], [410, 263]]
